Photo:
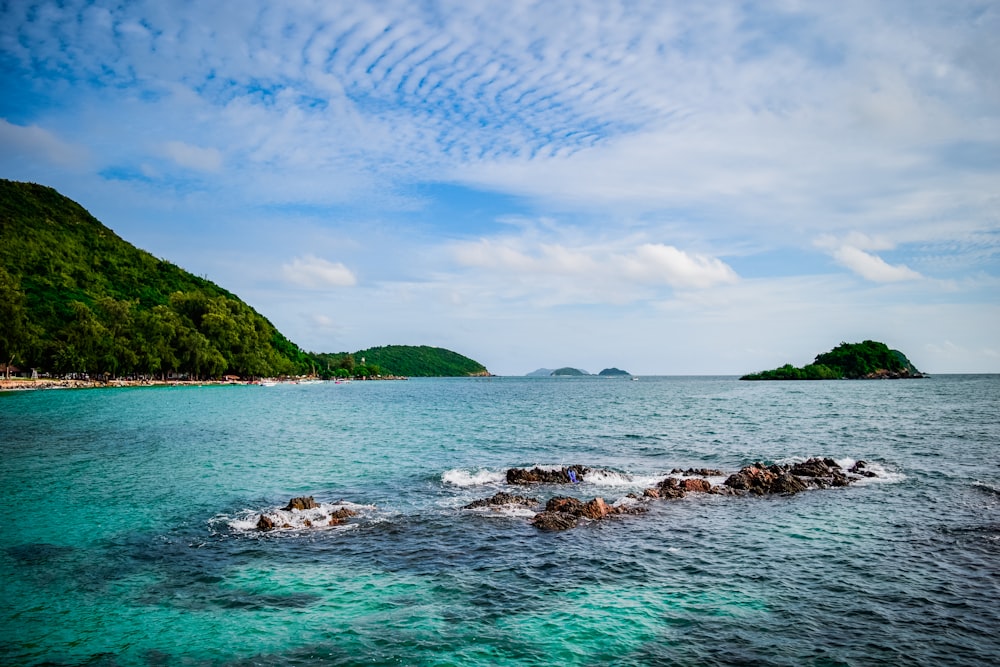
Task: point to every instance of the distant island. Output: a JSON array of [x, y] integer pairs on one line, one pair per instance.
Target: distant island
[[78, 301], [868, 360], [568, 371]]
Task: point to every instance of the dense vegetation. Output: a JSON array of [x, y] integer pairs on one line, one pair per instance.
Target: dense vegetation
[[613, 372], [869, 359], [77, 299], [407, 360]]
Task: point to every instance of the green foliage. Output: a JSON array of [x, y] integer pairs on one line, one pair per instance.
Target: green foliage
[[76, 298], [405, 360], [847, 360]]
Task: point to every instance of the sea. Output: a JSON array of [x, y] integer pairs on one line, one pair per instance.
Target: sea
[[129, 533]]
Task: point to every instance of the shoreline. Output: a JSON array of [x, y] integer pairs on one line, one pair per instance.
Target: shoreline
[[22, 384], [41, 384]]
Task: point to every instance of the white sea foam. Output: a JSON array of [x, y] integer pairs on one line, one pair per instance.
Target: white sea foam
[[510, 511], [315, 518], [480, 477], [612, 478]]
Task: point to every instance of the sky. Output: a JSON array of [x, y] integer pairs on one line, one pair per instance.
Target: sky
[[664, 187]]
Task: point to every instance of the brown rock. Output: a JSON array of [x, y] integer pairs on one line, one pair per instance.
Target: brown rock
[[669, 489], [554, 520], [697, 485], [564, 504], [264, 523], [595, 509], [303, 503]]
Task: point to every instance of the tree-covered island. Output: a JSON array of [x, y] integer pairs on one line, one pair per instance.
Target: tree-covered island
[[854, 361], [76, 300]]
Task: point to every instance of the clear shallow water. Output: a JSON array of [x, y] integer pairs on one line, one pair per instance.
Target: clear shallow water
[[123, 539]]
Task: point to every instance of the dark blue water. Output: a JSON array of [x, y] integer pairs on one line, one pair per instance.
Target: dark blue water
[[128, 535]]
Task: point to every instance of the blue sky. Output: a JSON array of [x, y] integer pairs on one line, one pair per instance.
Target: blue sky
[[665, 187]]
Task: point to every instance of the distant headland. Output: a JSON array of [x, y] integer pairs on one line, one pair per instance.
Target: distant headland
[[868, 360]]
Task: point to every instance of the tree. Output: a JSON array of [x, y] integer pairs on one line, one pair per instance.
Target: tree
[[16, 332]]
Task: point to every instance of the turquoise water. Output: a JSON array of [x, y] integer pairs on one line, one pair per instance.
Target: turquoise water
[[128, 530]]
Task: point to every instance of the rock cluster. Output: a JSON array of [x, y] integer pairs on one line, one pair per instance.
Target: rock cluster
[[318, 519], [540, 476], [562, 513], [817, 473]]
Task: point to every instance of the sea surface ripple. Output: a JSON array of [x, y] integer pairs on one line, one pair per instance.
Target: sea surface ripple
[[130, 539]]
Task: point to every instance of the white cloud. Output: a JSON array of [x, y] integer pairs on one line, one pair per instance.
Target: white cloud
[[656, 263], [317, 273], [193, 157], [851, 254], [35, 143], [605, 273]]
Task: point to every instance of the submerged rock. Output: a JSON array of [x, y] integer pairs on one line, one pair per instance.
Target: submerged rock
[[555, 520], [697, 472], [500, 499], [339, 516]]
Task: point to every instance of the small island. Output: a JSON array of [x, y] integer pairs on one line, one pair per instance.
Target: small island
[[614, 372], [567, 372], [869, 360]]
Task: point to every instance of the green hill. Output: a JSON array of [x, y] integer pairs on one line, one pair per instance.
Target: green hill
[[867, 360], [407, 360], [79, 299], [76, 298]]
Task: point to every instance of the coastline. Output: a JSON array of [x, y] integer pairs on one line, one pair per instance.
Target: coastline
[[23, 384]]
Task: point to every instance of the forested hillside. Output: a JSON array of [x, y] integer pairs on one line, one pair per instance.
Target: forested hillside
[[76, 298]]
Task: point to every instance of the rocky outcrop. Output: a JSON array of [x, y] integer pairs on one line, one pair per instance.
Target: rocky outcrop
[[562, 512], [540, 476], [303, 503], [818, 473], [759, 479]]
